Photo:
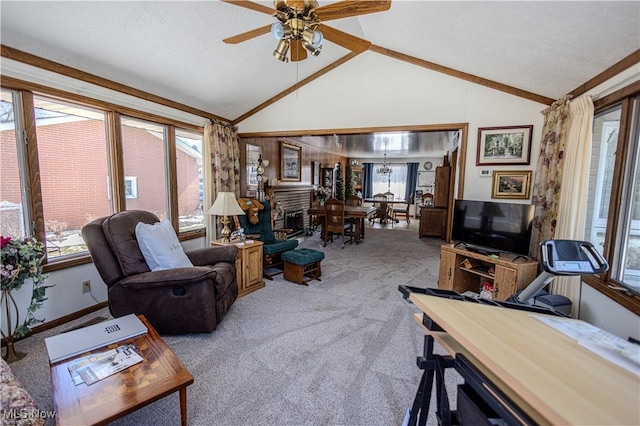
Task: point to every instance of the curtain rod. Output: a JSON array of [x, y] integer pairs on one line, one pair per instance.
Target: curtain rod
[[223, 123]]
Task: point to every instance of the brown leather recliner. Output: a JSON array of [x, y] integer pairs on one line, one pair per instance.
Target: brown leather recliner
[[175, 301]]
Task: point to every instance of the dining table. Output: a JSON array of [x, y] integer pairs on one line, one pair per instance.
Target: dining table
[[386, 205], [358, 213]]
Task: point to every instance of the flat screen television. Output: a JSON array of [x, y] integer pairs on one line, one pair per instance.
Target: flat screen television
[[492, 227]]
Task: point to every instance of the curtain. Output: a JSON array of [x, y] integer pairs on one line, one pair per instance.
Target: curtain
[[412, 179], [222, 148], [548, 181], [571, 212], [367, 180]]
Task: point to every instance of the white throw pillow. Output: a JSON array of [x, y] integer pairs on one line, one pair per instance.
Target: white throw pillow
[[160, 246]]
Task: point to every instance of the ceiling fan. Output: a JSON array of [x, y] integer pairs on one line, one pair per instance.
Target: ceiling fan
[[300, 26]]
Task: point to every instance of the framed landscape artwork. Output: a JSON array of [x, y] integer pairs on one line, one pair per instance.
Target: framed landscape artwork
[[512, 184], [504, 145], [289, 162]]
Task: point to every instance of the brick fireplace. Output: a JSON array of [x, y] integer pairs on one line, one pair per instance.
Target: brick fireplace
[[295, 200]]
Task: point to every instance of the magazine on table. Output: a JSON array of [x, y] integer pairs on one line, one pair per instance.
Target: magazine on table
[[95, 367]]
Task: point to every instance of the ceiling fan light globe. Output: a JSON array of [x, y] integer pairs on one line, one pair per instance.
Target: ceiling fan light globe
[[277, 31]]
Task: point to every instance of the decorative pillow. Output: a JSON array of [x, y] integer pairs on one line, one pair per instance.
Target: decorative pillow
[[160, 246]]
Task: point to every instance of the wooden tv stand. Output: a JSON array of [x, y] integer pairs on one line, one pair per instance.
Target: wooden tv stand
[[509, 275]]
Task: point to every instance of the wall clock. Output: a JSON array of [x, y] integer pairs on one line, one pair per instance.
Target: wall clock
[[427, 165]]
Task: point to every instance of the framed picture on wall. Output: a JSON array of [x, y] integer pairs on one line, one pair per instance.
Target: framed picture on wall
[[290, 156], [512, 184], [327, 177], [504, 145]]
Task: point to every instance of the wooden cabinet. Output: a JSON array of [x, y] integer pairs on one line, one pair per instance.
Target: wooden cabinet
[[441, 190], [503, 275], [248, 266], [432, 221]]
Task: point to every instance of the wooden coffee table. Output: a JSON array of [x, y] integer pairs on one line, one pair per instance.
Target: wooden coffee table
[[160, 374]]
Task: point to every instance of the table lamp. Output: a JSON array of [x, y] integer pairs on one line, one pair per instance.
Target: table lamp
[[225, 205]]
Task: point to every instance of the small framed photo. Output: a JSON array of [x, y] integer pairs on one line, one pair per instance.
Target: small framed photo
[[504, 145], [290, 162], [512, 184]]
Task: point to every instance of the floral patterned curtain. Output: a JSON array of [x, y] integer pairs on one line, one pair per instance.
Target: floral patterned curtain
[[222, 148], [548, 181]]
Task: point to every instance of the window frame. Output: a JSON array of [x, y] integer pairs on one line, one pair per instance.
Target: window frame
[[604, 283], [24, 115]]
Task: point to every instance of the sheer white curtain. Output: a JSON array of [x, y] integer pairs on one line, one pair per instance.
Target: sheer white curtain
[[573, 195], [396, 182]]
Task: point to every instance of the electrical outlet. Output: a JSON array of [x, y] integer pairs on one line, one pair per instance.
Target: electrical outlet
[[86, 286]]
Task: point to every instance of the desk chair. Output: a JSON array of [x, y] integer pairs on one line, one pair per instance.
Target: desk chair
[[334, 222]]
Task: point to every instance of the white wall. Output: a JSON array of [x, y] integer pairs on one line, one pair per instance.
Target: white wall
[[599, 310], [373, 90]]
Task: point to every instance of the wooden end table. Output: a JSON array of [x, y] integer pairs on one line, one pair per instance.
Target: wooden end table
[[249, 271], [160, 374]]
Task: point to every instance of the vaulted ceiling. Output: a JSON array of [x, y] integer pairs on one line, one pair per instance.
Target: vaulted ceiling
[[174, 49]]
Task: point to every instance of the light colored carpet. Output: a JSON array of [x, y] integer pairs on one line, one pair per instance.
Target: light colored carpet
[[341, 351]]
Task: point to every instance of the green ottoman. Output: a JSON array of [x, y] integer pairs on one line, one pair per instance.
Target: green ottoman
[[300, 263]]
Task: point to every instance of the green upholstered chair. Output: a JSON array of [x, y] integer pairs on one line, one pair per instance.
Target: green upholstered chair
[[273, 247]]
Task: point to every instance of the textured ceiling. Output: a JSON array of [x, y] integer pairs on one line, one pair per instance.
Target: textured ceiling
[[175, 49]]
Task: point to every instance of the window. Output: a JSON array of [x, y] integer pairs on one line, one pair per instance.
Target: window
[[73, 165], [613, 219], [130, 187], [396, 182], [190, 181], [143, 155], [13, 217]]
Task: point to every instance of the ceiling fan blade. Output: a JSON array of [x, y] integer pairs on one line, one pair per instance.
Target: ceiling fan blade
[[251, 5], [348, 41], [248, 35], [348, 8], [297, 52]]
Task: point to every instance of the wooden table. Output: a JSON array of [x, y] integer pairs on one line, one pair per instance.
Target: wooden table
[[248, 265], [360, 213], [549, 376], [160, 374], [384, 205]]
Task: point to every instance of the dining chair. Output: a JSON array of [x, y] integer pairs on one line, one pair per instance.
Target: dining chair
[[334, 222], [353, 200], [399, 212], [427, 199], [380, 204]]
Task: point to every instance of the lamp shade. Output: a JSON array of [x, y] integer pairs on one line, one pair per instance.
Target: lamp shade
[[226, 205]]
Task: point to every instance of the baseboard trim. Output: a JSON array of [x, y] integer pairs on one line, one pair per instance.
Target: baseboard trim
[[63, 320]]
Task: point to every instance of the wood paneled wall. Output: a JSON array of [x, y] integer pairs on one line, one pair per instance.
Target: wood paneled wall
[[271, 151]]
